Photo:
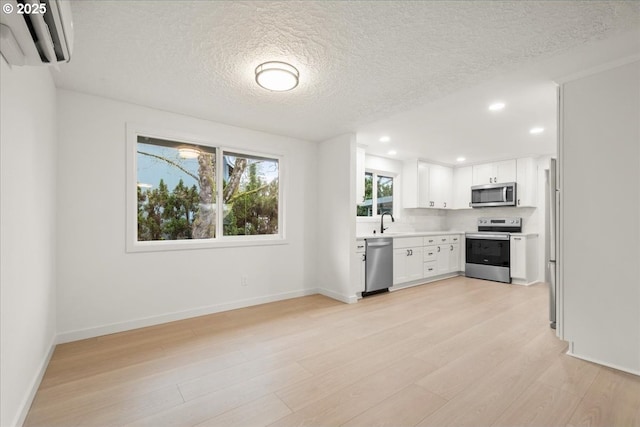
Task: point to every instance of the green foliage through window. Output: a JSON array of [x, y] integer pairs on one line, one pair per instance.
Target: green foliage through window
[[177, 197]]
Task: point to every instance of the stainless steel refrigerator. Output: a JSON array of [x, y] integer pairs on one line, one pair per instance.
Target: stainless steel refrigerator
[[552, 208]]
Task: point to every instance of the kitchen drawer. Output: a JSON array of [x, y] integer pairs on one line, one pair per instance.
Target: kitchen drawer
[[430, 240], [430, 269], [441, 240], [406, 242], [429, 253], [359, 246], [455, 238]]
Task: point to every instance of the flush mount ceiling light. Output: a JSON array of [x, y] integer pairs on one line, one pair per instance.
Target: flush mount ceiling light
[[496, 106], [392, 152], [188, 153], [384, 139], [536, 130], [460, 159], [277, 76]]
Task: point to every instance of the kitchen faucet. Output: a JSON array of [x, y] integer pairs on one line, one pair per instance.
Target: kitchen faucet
[[382, 227]]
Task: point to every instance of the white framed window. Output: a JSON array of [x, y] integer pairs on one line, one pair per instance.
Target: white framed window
[[378, 194], [187, 193]]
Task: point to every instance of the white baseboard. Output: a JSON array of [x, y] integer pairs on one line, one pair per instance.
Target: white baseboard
[[600, 362], [113, 328], [351, 299], [35, 384]]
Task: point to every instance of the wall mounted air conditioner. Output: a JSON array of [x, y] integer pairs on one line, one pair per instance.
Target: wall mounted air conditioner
[[36, 32]]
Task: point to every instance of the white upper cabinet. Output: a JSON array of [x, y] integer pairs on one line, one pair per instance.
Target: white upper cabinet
[[462, 182], [415, 184], [527, 180], [496, 172], [426, 186], [440, 187]]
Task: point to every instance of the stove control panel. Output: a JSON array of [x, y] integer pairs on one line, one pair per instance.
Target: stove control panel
[[500, 224]]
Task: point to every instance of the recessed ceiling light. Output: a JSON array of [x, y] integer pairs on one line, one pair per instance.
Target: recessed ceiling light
[[385, 139], [392, 152], [277, 76], [188, 153], [496, 106], [460, 159], [536, 130]]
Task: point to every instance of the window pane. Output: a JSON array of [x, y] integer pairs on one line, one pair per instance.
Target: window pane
[[366, 207], [250, 193], [176, 190], [385, 195]]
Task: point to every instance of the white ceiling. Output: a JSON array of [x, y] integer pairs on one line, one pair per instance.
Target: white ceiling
[[421, 71]]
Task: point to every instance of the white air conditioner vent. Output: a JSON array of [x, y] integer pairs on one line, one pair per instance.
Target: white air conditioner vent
[[36, 32]]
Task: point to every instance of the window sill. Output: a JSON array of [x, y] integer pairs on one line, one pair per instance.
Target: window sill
[[187, 245]]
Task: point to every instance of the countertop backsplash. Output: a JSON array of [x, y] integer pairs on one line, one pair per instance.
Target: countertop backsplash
[[465, 220]]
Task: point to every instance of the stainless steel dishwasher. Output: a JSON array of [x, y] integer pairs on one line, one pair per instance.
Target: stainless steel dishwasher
[[379, 265]]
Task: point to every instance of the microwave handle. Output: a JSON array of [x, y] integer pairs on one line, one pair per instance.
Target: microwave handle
[[504, 194]]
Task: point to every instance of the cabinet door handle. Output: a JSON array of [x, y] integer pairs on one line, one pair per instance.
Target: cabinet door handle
[[495, 180], [451, 248], [411, 252], [438, 248], [517, 238], [445, 204], [364, 257], [490, 180], [518, 202]]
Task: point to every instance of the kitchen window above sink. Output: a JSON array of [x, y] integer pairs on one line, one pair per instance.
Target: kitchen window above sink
[[378, 195]]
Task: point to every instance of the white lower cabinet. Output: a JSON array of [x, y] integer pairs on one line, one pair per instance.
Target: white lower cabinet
[[524, 258], [359, 260], [443, 257], [430, 269], [407, 264], [454, 257], [416, 258]]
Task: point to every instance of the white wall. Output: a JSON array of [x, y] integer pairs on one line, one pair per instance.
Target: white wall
[[600, 217], [27, 254], [336, 217], [102, 289]]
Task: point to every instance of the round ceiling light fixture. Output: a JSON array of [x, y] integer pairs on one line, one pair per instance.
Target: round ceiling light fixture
[[188, 153], [536, 130], [497, 106], [277, 76]]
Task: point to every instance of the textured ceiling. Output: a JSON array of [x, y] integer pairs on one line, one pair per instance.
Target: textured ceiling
[[359, 61]]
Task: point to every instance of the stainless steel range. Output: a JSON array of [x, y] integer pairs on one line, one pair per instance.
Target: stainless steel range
[[488, 252]]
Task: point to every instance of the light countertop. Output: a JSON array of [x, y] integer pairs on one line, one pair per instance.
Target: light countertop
[[408, 234], [426, 233]]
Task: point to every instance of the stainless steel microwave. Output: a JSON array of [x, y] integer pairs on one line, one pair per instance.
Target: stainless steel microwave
[[491, 195]]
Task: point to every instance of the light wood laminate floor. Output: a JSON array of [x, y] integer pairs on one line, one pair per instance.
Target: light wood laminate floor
[[458, 352]]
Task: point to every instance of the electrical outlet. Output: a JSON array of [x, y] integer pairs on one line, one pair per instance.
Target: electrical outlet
[[244, 281]]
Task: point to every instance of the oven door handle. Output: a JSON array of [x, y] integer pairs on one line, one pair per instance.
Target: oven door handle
[[484, 236], [504, 194]]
